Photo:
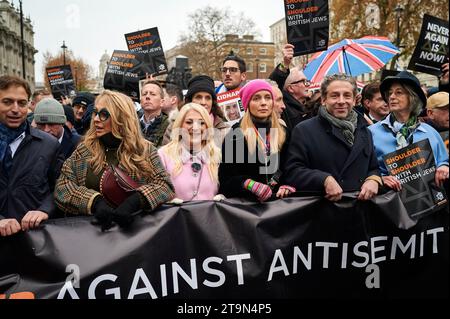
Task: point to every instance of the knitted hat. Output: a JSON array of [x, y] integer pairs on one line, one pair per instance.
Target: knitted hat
[[84, 98], [437, 100], [200, 83], [49, 111], [251, 88]]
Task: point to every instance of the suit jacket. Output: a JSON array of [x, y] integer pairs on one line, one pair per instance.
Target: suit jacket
[[31, 180], [69, 142], [318, 150]]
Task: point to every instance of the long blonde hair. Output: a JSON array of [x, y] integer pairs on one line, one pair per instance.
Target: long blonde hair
[[277, 133], [134, 151], [174, 148]]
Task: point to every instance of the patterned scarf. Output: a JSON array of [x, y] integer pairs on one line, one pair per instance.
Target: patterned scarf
[[8, 135], [347, 126], [403, 134]]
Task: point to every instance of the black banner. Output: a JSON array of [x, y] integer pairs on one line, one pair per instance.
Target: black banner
[[291, 248], [432, 47], [149, 43], [307, 24], [415, 168], [124, 72], [61, 81]]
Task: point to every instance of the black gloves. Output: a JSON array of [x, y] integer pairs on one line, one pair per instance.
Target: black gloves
[[103, 213], [124, 214]]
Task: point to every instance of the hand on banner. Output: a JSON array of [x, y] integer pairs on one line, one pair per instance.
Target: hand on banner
[[392, 182], [333, 190], [176, 201], [33, 219], [219, 198], [285, 191], [288, 55], [65, 100], [369, 190], [9, 227], [150, 77], [441, 175]]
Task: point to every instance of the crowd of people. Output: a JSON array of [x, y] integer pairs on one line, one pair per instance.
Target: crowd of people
[[112, 158]]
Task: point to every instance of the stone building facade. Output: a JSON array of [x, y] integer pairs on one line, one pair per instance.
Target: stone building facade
[[11, 43]]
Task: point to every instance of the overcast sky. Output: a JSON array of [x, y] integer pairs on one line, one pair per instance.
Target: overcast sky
[[90, 27]]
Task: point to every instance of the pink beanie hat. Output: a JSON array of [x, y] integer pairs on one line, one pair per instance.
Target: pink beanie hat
[[251, 88]]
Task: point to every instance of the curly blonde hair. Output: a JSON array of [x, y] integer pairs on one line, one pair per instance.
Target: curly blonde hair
[[134, 151], [174, 148]]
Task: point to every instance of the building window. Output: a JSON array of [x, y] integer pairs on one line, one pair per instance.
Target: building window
[[235, 51], [250, 67], [249, 50], [263, 51], [263, 68]]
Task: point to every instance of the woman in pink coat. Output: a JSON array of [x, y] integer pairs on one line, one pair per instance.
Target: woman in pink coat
[[192, 158]]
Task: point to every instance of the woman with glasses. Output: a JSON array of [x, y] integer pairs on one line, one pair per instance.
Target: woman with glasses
[[401, 127], [114, 138], [192, 158], [253, 150]]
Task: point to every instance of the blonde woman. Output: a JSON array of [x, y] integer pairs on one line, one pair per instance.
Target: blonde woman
[[254, 149], [114, 138], [192, 158]]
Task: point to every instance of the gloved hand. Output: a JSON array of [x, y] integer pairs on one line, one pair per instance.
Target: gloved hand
[[123, 213], [103, 213], [262, 191]]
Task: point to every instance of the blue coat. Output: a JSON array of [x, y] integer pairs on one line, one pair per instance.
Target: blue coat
[[385, 142], [318, 150], [36, 166]]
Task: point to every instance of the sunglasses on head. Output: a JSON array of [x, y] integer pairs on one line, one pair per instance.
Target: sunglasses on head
[[103, 114]]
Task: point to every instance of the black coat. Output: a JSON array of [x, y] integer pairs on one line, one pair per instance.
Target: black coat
[[238, 165], [318, 150], [295, 111], [69, 142], [36, 166]]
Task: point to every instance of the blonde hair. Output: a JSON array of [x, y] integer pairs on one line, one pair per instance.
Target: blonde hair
[[174, 148], [134, 151], [277, 133]]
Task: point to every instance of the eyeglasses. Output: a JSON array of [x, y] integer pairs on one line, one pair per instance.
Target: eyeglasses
[[232, 70], [103, 114], [304, 81], [10, 102], [80, 106]]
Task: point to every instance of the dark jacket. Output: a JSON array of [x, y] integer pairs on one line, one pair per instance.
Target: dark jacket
[[69, 142], [318, 150], [238, 165], [155, 131], [36, 166], [295, 111]]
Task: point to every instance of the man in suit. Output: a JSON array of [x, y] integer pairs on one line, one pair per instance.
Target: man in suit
[[333, 152]]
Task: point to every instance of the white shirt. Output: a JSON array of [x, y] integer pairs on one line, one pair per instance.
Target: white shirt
[[15, 144]]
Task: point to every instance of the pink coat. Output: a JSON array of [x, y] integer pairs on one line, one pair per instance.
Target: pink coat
[[188, 185]]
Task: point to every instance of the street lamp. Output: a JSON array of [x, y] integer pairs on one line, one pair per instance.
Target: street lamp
[[23, 42], [64, 47], [398, 11]]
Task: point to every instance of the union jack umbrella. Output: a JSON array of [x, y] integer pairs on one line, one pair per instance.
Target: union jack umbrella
[[353, 57]]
